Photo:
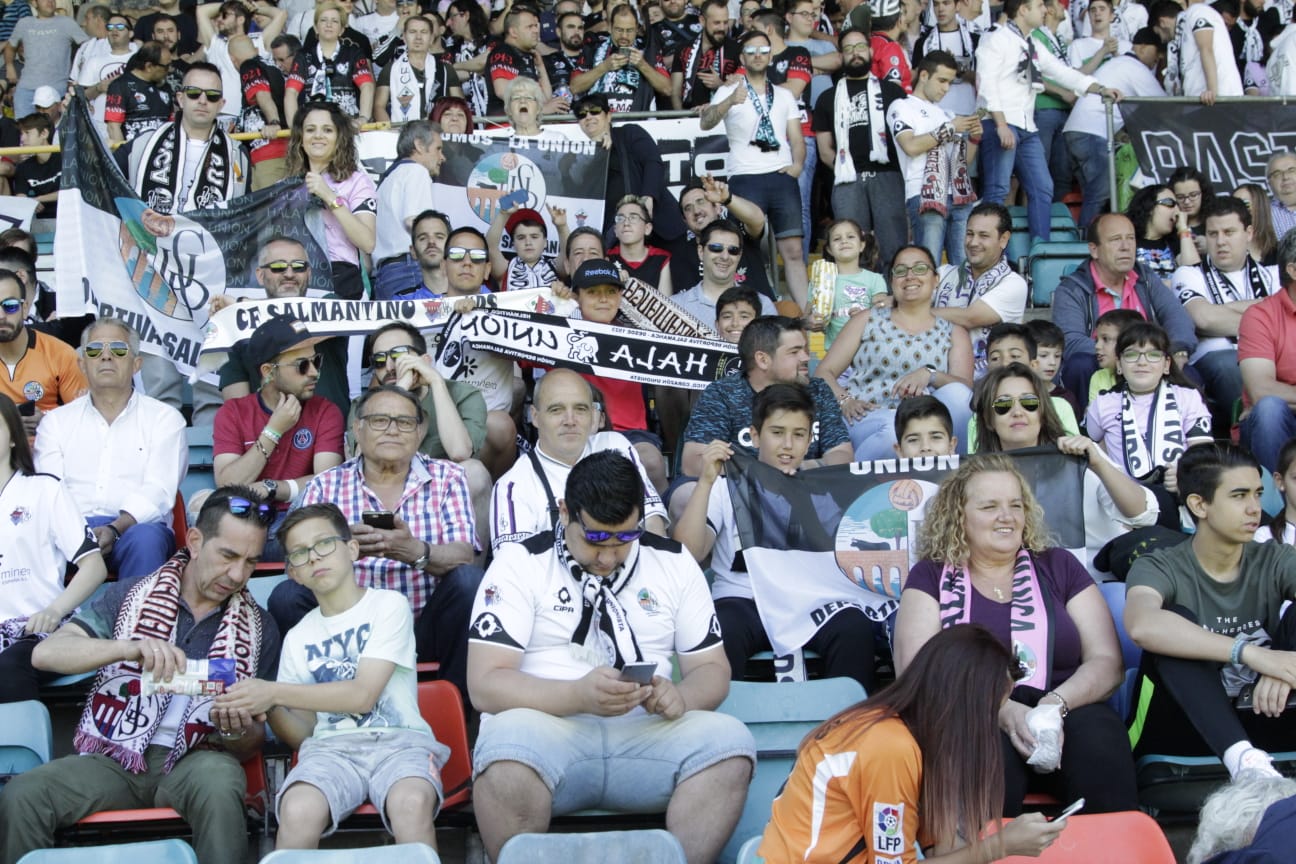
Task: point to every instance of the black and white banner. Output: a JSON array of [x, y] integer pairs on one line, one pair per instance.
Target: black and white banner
[[1229, 142]]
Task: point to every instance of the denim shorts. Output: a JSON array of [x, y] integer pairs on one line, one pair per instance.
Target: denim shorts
[[777, 195], [628, 764]]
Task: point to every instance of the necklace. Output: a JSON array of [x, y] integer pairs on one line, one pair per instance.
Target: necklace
[[998, 592]]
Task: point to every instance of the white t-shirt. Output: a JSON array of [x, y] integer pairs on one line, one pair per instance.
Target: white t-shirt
[[378, 29], [1081, 50], [960, 100], [1125, 73], [520, 506], [322, 649], [403, 194], [1200, 16], [95, 62], [41, 531], [1189, 285], [740, 124], [1007, 299], [1128, 18], [918, 116]]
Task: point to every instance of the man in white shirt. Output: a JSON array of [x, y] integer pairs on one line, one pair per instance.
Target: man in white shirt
[[121, 454], [1199, 60], [1087, 53], [564, 411], [99, 61], [934, 151], [404, 192], [217, 24], [1085, 132], [1216, 292], [1128, 17]]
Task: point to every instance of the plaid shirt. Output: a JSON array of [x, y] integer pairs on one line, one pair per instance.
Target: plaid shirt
[[435, 505]]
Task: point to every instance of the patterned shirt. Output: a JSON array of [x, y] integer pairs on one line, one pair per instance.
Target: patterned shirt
[[723, 413], [435, 505]]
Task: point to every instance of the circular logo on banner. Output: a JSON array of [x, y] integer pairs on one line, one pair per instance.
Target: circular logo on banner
[[303, 438], [500, 174], [172, 259], [872, 543]]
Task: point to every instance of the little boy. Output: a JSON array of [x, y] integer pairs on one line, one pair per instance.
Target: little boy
[[924, 428], [1049, 342], [1107, 330], [782, 416], [347, 696], [648, 264], [736, 307], [530, 267]]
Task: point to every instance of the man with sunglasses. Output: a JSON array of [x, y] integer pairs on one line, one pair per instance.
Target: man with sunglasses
[[43, 371], [120, 453], [100, 61], [135, 750], [280, 437], [569, 661], [720, 249]]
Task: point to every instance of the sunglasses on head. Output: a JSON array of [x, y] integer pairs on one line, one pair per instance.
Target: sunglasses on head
[[297, 265], [591, 111], [304, 363], [592, 536], [459, 253], [379, 358], [192, 94], [1004, 404], [11, 306], [118, 349], [239, 506], [720, 247]]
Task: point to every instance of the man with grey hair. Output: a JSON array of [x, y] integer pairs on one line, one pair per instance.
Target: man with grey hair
[[404, 192], [1281, 172], [120, 453], [1252, 816]]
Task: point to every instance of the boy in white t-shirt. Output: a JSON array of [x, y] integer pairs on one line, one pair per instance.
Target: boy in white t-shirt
[[347, 696]]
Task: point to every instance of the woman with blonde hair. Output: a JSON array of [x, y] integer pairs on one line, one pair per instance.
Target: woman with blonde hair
[[987, 559]]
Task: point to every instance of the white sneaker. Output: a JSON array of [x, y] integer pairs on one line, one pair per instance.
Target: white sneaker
[[1256, 762]]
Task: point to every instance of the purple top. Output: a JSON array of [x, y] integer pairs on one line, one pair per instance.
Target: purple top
[[1060, 575]]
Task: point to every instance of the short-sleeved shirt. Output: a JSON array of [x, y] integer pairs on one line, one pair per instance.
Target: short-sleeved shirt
[[686, 266], [920, 117], [332, 385], [138, 105], [318, 430], [794, 64], [406, 191], [1248, 604], [325, 648], [703, 308], [47, 374], [729, 582], [529, 602], [257, 77], [1199, 17], [359, 195], [47, 45], [505, 63], [1007, 298], [672, 35], [891, 61], [33, 178], [337, 79], [1061, 577], [741, 122], [860, 130], [723, 413], [41, 532], [1268, 332], [1103, 418], [1189, 284]]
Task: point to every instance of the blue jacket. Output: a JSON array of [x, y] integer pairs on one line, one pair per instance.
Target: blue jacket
[[1075, 310]]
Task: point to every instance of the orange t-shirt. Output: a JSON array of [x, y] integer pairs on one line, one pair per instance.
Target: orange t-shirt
[[47, 374], [852, 797]]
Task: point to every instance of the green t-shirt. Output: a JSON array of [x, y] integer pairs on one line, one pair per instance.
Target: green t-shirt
[[1248, 604], [472, 411]]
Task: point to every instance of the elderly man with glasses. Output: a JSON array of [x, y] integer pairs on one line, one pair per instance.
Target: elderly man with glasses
[[1281, 172]]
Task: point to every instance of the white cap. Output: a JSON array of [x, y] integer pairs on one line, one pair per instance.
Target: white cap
[[884, 8], [46, 96]]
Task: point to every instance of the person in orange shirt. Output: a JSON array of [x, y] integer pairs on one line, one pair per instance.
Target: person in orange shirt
[[37, 372], [864, 790]]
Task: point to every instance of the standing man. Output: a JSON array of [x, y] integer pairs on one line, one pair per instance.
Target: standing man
[[766, 151], [1199, 60], [517, 55], [220, 22], [135, 102], [404, 192], [561, 63], [410, 84], [890, 62], [1010, 72], [1087, 53], [954, 35], [120, 453], [678, 26], [42, 371], [262, 111], [703, 64], [851, 129], [96, 69], [623, 66], [1281, 172], [46, 40]]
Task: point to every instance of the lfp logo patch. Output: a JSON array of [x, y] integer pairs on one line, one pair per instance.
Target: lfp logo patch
[[888, 822]]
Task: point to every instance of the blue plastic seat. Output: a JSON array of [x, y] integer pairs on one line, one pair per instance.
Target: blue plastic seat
[[1123, 699], [650, 846], [1048, 263], [171, 851], [400, 853], [26, 737], [747, 854]]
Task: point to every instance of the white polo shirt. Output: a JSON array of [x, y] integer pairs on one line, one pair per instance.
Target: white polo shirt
[[403, 194], [41, 530]]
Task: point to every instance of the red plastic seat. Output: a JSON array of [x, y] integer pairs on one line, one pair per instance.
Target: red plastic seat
[[1131, 836]]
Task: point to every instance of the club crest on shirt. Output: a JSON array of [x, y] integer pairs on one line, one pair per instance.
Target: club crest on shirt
[[19, 515], [648, 602]]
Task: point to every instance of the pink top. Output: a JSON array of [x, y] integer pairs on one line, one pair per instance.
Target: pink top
[[359, 195], [1103, 419]]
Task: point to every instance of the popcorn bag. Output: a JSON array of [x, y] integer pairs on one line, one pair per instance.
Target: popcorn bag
[[823, 282]]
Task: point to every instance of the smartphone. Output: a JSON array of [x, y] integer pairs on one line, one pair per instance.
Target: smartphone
[[1074, 808], [516, 198], [383, 519], [626, 51], [639, 673], [27, 409]]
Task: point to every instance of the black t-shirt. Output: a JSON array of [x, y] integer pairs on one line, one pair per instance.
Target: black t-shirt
[[722, 60], [671, 35], [136, 104], [32, 178], [560, 69], [186, 24], [504, 64], [174, 78], [860, 133], [256, 76]]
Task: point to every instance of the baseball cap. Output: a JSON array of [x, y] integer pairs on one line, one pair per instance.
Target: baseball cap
[[860, 20], [526, 214], [46, 96], [278, 335], [596, 271]]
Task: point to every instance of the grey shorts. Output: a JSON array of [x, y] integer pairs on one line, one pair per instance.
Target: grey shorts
[[356, 767], [627, 764]]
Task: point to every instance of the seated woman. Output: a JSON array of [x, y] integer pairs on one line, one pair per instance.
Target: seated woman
[[43, 533], [1013, 412], [1281, 527], [878, 779], [1162, 237], [986, 560], [895, 352]]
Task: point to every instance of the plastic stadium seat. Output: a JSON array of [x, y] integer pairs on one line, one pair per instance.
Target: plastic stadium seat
[[1131, 836], [26, 738], [747, 854], [1048, 263], [779, 715], [171, 851], [401, 853], [1123, 699], [651, 846]]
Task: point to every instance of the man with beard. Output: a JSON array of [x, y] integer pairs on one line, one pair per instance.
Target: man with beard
[[562, 63], [677, 28], [100, 61], [43, 371], [624, 67], [702, 66], [167, 33]]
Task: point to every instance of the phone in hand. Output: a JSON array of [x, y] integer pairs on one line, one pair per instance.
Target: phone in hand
[[27, 409], [516, 198], [384, 519], [626, 51], [639, 673], [1071, 810]]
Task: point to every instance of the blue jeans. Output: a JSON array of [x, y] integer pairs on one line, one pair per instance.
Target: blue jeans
[[1220, 373], [24, 101], [1028, 161], [873, 435], [143, 548], [806, 184], [873, 203], [1049, 122], [1089, 156], [935, 232], [1265, 430]]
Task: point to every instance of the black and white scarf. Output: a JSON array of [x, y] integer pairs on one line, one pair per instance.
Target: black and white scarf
[[764, 127], [931, 40], [1162, 443], [603, 635], [521, 275], [695, 57], [1223, 291], [965, 290], [1174, 58], [1028, 66], [163, 159], [844, 114], [623, 80], [410, 100]]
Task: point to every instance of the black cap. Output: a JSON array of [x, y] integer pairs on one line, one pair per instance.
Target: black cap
[[276, 336], [596, 271]]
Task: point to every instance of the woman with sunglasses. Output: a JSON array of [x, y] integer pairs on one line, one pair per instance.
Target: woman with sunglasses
[[986, 560], [323, 149], [42, 534], [894, 352], [879, 779], [1014, 411], [1161, 233]]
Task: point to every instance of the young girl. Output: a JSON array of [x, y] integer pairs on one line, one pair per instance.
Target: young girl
[[1282, 527], [1153, 414], [853, 254]]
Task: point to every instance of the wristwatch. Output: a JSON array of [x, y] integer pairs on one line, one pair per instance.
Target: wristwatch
[[421, 562], [271, 486]]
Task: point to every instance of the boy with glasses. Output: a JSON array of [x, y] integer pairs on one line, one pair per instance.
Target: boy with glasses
[[632, 225]]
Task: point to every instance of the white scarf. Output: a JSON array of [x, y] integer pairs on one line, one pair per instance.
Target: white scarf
[[931, 40], [1164, 441], [407, 94], [843, 112], [603, 635]]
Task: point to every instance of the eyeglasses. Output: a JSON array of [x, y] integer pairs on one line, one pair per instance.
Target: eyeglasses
[[524, 99], [855, 48], [591, 111], [1187, 196], [1284, 174], [900, 271], [459, 253], [118, 349], [11, 306], [192, 94], [116, 27], [1133, 355], [239, 506], [297, 265], [305, 363], [383, 422], [717, 248], [804, 13], [1167, 202], [1004, 404], [756, 49], [379, 358], [628, 218], [592, 536], [322, 548]]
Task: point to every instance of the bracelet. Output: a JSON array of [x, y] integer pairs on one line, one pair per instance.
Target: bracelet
[[292, 490], [1239, 643], [1066, 709], [113, 528], [272, 435], [727, 201], [1186, 233], [262, 450]]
